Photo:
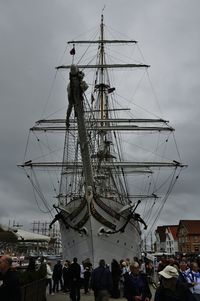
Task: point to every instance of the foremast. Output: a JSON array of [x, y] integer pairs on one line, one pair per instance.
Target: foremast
[[77, 88], [76, 91]]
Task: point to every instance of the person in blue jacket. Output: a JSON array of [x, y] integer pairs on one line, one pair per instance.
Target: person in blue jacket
[[136, 287], [101, 282]]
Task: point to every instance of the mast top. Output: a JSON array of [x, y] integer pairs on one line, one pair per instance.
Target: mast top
[[102, 16]]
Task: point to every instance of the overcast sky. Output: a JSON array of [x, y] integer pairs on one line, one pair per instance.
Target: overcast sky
[[33, 37]]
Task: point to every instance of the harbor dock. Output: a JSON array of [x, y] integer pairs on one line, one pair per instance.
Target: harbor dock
[[84, 297]]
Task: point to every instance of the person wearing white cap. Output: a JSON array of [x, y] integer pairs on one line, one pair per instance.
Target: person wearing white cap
[[170, 288], [169, 272]]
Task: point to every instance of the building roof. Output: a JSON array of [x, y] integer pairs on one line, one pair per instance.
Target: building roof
[[173, 229], [6, 235], [16, 235], [30, 236], [161, 231], [192, 226]]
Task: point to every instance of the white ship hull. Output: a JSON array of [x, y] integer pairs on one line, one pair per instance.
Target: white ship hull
[[100, 246], [95, 239]]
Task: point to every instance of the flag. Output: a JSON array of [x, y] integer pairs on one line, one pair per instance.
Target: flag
[[72, 51]]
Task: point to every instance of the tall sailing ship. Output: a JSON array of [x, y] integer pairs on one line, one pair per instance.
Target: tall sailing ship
[[110, 187]]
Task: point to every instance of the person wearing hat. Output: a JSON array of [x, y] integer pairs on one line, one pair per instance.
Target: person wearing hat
[[171, 289]]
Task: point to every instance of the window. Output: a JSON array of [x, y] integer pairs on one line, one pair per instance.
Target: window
[[188, 248]]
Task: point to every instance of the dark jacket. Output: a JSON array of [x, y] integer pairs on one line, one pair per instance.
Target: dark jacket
[[10, 289], [74, 272], [101, 279], [136, 285], [65, 272], [181, 293], [57, 271]]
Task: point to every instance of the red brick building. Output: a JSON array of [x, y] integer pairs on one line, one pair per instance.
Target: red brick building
[[188, 236]]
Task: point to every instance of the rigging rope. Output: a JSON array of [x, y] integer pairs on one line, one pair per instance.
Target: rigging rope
[[173, 181], [40, 194]]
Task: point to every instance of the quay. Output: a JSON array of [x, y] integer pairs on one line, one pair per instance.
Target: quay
[[85, 297]]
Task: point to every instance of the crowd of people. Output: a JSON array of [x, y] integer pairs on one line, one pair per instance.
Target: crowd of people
[[179, 279], [173, 279], [69, 277]]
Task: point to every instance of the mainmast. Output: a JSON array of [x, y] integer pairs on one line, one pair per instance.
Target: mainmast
[[103, 147], [102, 69]]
